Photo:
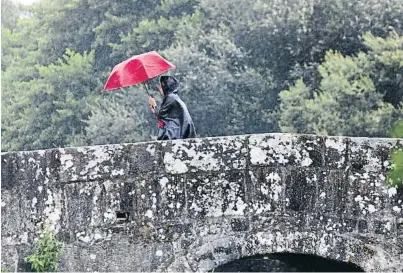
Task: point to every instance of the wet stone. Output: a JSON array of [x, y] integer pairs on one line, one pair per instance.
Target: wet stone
[[384, 227], [225, 250], [308, 243], [362, 226], [349, 225], [214, 195], [399, 227], [300, 190], [34, 166], [335, 152], [185, 243], [272, 150], [162, 256], [239, 225], [194, 204], [205, 155], [332, 192], [267, 189], [206, 256], [171, 202], [366, 154], [367, 194], [311, 150]]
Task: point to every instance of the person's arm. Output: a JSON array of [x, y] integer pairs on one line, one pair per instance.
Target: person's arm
[[166, 107]]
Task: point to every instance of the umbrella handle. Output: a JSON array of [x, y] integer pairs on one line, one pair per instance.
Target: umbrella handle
[[148, 93]]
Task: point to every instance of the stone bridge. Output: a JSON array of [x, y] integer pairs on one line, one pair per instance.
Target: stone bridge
[[197, 204]]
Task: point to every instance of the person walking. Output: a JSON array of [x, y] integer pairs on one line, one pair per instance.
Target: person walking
[[174, 120]]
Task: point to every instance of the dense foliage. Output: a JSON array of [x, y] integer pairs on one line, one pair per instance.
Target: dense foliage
[[246, 66]]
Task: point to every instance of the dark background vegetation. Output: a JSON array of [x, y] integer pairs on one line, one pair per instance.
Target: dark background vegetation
[[257, 66]]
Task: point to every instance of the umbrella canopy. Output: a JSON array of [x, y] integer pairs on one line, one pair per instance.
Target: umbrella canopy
[[137, 69]]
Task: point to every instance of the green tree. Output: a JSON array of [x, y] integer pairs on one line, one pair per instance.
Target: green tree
[[46, 101], [65, 24], [233, 59], [287, 40], [19, 57], [350, 100], [9, 14], [143, 27], [49, 111], [282, 36], [224, 96], [118, 117], [386, 55]]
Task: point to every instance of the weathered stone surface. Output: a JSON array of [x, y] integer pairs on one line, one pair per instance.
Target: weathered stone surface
[[266, 186], [281, 150], [205, 155], [216, 195], [196, 204], [39, 166], [336, 151], [366, 154]]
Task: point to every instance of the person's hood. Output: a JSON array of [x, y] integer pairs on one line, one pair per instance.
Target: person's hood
[[169, 84]]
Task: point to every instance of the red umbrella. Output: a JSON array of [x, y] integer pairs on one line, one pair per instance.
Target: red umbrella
[[137, 69]]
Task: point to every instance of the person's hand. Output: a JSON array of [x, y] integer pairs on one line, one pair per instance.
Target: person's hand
[[152, 103]]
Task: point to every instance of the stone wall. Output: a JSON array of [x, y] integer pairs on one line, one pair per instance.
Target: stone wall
[[193, 205]]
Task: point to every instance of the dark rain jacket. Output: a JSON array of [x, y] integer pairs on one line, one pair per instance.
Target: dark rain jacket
[[174, 121]]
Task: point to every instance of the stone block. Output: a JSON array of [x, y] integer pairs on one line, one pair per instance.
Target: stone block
[[239, 224], [205, 155], [216, 194], [368, 194], [108, 161], [332, 191], [336, 152], [300, 189], [371, 155], [276, 150], [30, 167], [266, 189], [160, 198]]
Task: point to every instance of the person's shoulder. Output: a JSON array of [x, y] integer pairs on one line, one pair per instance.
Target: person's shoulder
[[173, 96]]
